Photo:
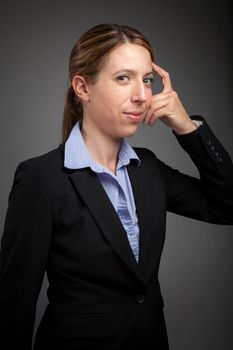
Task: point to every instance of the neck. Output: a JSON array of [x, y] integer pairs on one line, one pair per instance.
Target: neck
[[103, 148]]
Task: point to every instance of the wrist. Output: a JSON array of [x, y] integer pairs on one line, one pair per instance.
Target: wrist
[[186, 129]]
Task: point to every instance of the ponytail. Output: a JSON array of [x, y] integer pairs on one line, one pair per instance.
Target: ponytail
[[73, 112]]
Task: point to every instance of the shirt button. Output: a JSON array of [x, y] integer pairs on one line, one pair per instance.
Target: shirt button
[[140, 298]]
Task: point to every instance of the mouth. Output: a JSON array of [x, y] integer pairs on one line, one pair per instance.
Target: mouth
[[134, 116]]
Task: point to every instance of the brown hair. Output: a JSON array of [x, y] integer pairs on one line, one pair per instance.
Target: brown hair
[[88, 57]]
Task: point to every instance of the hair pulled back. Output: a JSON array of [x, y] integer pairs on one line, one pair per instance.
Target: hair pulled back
[[88, 56]]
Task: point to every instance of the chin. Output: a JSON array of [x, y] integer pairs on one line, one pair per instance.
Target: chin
[[129, 131], [124, 131]]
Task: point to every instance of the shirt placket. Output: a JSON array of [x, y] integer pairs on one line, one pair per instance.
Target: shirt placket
[[125, 217]]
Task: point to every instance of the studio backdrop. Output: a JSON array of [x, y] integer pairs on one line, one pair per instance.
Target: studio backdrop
[[192, 40]]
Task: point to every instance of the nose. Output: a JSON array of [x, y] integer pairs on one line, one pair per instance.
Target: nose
[[139, 93]]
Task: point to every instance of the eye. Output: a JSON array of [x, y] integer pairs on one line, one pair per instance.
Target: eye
[[148, 81], [123, 77]]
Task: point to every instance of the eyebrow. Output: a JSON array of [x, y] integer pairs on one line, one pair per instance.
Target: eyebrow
[[132, 71]]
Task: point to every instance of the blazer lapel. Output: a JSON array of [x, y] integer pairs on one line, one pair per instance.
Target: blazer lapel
[[140, 188], [93, 194], [151, 216]]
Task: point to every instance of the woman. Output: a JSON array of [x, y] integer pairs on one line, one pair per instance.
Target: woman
[[92, 213]]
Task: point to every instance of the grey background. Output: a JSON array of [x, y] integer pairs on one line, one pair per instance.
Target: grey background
[[192, 40]]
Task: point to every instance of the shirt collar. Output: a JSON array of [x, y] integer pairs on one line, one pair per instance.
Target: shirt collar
[[77, 155]]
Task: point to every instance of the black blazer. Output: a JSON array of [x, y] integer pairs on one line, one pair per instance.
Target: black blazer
[[61, 221]]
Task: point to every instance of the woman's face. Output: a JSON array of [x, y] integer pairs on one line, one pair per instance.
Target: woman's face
[[120, 97]]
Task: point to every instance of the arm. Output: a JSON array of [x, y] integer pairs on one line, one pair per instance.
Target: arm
[[23, 255], [210, 198]]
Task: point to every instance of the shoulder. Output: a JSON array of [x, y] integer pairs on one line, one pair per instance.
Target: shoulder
[[40, 170], [145, 155], [45, 161], [150, 164]]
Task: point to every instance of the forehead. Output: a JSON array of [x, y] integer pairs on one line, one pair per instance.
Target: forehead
[[128, 56]]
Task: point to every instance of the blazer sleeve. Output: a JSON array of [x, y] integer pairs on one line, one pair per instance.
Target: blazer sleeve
[[209, 198], [24, 250]]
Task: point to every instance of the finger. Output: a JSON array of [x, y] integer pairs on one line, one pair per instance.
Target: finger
[[155, 108], [161, 96], [158, 101], [160, 114], [167, 86]]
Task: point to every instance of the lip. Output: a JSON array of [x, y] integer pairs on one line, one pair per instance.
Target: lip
[[134, 115]]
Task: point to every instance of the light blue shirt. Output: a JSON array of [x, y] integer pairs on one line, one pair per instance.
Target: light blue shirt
[[117, 187]]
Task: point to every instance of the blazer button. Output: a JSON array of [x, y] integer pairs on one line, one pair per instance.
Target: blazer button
[[210, 145], [140, 298]]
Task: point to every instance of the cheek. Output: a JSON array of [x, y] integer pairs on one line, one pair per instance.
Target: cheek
[[148, 98], [149, 92], [116, 100], [108, 106]]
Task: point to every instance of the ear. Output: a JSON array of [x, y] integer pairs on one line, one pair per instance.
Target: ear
[[80, 87]]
